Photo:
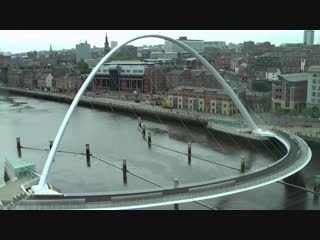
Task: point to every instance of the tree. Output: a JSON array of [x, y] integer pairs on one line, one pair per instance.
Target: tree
[[83, 67], [261, 86]]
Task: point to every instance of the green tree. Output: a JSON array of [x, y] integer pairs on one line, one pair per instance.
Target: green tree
[[119, 57], [83, 67], [261, 85]]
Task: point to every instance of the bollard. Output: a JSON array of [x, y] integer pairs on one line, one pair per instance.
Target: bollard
[[189, 153], [88, 155], [139, 119], [243, 164], [18, 147], [149, 139], [124, 170], [176, 185], [144, 131], [50, 146]]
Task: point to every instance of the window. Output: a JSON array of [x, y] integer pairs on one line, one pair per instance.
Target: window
[[122, 70], [104, 70], [314, 88], [314, 81], [135, 71], [140, 71], [314, 75], [213, 104], [179, 99], [128, 71], [179, 105], [190, 101], [225, 105], [313, 94]]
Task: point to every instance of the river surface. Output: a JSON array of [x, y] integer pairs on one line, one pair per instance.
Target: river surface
[[114, 136]]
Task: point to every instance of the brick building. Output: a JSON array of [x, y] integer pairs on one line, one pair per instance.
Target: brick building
[[215, 101]]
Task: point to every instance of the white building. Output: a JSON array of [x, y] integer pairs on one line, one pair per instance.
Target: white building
[[197, 45], [313, 92], [308, 38], [273, 73], [83, 51]]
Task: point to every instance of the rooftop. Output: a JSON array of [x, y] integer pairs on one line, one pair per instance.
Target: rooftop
[[133, 62], [314, 69], [294, 77], [199, 89]]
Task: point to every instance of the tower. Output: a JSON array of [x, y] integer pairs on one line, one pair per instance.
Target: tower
[[308, 38], [50, 52], [106, 46]]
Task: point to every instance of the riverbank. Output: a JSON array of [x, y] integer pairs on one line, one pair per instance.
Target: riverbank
[[310, 133], [177, 115]]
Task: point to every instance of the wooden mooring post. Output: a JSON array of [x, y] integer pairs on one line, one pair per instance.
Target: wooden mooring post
[[243, 164], [189, 153], [144, 131], [88, 155], [124, 171], [176, 185], [149, 139], [18, 147], [139, 119]]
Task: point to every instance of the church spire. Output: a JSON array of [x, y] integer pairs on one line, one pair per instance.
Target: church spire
[[106, 45]]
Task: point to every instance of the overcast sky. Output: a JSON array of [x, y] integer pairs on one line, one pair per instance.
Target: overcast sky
[[17, 41]]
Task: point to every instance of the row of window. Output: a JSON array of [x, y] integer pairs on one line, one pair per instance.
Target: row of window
[[124, 71], [134, 71], [314, 94], [313, 100], [314, 88], [315, 81]]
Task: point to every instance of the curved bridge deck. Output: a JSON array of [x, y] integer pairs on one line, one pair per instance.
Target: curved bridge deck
[[298, 156]]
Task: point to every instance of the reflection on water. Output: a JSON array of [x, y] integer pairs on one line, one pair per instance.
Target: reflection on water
[[115, 136]]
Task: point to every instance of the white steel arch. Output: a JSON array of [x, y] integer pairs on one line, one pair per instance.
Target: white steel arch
[[42, 186]]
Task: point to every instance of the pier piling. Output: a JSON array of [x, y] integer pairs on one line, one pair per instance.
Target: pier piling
[[88, 155], [149, 139], [176, 185], [243, 164], [19, 147], [189, 153], [124, 171], [144, 131]]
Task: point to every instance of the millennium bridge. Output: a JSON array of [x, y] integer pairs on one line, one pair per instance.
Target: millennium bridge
[[42, 196]]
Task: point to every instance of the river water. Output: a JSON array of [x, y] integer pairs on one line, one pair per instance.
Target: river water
[[114, 136]]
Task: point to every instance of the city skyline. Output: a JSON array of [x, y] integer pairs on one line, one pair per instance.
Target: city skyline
[[19, 41]]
